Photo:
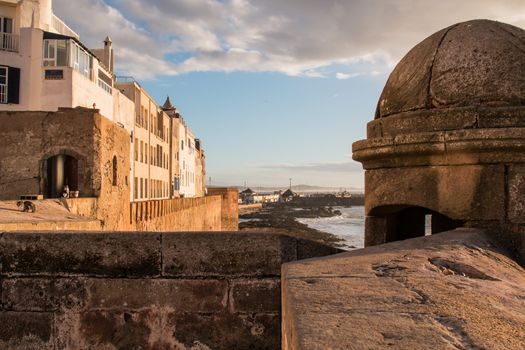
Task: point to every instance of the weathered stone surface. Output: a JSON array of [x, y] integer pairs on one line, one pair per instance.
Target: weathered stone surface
[[26, 330], [238, 254], [448, 290], [245, 331], [256, 296], [309, 249], [110, 330], [106, 291], [407, 86], [480, 63], [38, 294], [460, 192], [101, 254], [475, 63], [180, 295], [516, 186]]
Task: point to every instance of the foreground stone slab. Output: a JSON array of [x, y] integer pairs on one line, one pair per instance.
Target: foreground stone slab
[[454, 290]]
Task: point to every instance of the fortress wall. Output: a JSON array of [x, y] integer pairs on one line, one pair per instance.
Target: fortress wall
[[144, 290], [28, 139], [179, 214], [229, 207]]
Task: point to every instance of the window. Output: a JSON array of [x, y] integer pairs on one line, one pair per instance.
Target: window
[[8, 41], [3, 84], [182, 145], [114, 171], [55, 53], [141, 188], [136, 148], [9, 85], [6, 25], [141, 151], [135, 188], [81, 60]]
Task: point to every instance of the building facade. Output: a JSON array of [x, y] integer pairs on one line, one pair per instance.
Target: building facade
[[44, 66]]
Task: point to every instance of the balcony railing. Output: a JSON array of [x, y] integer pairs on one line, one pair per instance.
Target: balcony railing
[[3, 94], [105, 86], [9, 42], [63, 28]]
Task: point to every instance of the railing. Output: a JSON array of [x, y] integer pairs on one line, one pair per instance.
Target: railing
[[126, 79], [9, 42], [3, 94], [63, 28], [105, 86]]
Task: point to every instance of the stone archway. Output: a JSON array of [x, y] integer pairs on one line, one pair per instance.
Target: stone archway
[[408, 221]]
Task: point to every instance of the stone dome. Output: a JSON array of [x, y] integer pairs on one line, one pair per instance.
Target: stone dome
[[479, 63]]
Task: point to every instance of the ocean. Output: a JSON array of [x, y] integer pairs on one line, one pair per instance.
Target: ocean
[[350, 226]]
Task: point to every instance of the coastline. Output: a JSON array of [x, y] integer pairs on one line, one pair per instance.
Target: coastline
[[282, 218]]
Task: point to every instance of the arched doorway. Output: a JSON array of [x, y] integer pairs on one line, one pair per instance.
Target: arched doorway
[[404, 222], [62, 170]]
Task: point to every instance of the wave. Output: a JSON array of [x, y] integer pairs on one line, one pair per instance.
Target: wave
[[349, 226]]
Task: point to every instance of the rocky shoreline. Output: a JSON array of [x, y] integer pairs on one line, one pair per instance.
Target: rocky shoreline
[[281, 218]]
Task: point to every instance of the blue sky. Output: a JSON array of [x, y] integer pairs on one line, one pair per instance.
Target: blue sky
[[274, 88]]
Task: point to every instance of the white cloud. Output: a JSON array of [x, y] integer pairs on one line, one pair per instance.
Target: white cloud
[[294, 37]]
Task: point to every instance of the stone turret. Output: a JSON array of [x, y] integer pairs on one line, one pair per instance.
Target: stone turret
[[169, 108], [447, 143]]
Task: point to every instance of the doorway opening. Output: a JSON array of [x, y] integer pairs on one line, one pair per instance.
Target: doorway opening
[[62, 170]]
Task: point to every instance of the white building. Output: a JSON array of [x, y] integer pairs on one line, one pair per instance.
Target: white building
[[45, 66]]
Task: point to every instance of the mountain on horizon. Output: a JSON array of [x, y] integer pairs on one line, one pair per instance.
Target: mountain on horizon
[[300, 188]]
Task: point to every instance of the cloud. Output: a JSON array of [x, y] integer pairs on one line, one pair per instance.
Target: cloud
[[294, 37], [348, 166]]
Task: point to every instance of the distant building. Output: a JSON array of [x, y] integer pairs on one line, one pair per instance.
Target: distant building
[[246, 196], [288, 196]]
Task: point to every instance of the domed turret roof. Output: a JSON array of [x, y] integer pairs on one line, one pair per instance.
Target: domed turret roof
[[479, 63]]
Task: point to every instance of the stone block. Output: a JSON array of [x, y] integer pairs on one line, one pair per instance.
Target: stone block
[[37, 294], [226, 254], [179, 295], [94, 254], [469, 192], [227, 331], [516, 188], [109, 330], [307, 249], [26, 330], [253, 296]]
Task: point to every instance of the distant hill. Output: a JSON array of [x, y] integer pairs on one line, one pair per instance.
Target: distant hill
[[302, 189]]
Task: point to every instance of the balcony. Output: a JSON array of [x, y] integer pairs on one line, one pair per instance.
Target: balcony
[[9, 42]]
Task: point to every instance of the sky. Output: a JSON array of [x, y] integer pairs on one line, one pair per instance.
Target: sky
[[275, 89]]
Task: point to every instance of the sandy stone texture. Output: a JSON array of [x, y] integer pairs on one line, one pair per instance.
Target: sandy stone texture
[[454, 290]]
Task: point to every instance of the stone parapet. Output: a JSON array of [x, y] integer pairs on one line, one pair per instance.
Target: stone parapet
[[442, 291], [144, 290]]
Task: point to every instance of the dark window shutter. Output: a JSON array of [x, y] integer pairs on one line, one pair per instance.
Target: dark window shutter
[[13, 85]]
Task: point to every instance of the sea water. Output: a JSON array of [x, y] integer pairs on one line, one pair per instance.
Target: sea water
[[349, 226]]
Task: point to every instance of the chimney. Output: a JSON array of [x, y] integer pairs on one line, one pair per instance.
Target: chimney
[[109, 58]]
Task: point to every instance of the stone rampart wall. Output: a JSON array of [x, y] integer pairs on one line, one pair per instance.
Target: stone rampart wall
[[229, 207], [179, 214], [144, 290]]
